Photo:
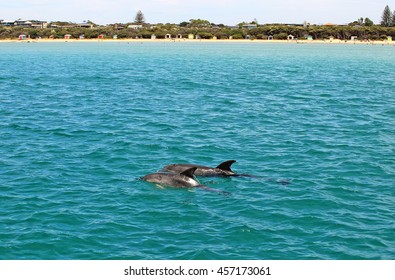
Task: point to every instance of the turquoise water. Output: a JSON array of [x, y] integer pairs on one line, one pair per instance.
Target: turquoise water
[[80, 123]]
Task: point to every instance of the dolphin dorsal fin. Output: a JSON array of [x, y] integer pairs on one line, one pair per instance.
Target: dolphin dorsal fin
[[189, 172], [226, 165]]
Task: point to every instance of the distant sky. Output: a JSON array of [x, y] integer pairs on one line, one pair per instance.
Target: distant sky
[[228, 12]]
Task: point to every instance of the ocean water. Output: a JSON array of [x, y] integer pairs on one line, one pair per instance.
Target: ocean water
[[80, 123]]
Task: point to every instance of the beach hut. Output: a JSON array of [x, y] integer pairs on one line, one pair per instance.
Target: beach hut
[[354, 38], [270, 37], [389, 39], [22, 37], [153, 37], [191, 36], [82, 37], [290, 37], [248, 37], [309, 38], [230, 37], [168, 36], [100, 37], [67, 36], [179, 36], [198, 37], [115, 37]]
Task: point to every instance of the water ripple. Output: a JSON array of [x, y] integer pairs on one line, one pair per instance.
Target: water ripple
[[76, 139]]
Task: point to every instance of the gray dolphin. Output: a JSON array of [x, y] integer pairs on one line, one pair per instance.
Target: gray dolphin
[[184, 179], [221, 170]]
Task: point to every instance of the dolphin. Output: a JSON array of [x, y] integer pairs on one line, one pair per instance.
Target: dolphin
[[184, 179], [222, 169]]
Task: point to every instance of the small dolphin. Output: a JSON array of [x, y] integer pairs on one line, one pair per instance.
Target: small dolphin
[[184, 179], [221, 170]]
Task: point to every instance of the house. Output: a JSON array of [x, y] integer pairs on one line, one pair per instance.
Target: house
[[250, 26], [39, 24], [135, 26], [23, 23], [295, 24], [118, 26], [8, 23], [85, 25]]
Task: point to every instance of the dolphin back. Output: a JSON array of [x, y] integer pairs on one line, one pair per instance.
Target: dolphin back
[[226, 165], [189, 172]]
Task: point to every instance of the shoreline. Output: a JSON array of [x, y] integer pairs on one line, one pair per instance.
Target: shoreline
[[334, 41]]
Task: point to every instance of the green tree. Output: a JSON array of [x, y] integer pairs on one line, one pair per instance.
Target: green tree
[[386, 18], [368, 22], [360, 21], [33, 33], [199, 23], [205, 35], [139, 19], [281, 36]]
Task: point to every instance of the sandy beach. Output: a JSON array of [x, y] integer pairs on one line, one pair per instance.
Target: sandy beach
[[334, 41]]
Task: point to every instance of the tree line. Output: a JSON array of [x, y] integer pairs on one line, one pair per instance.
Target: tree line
[[363, 29], [277, 31]]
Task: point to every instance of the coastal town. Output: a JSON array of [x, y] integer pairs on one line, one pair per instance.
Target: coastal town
[[363, 29]]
